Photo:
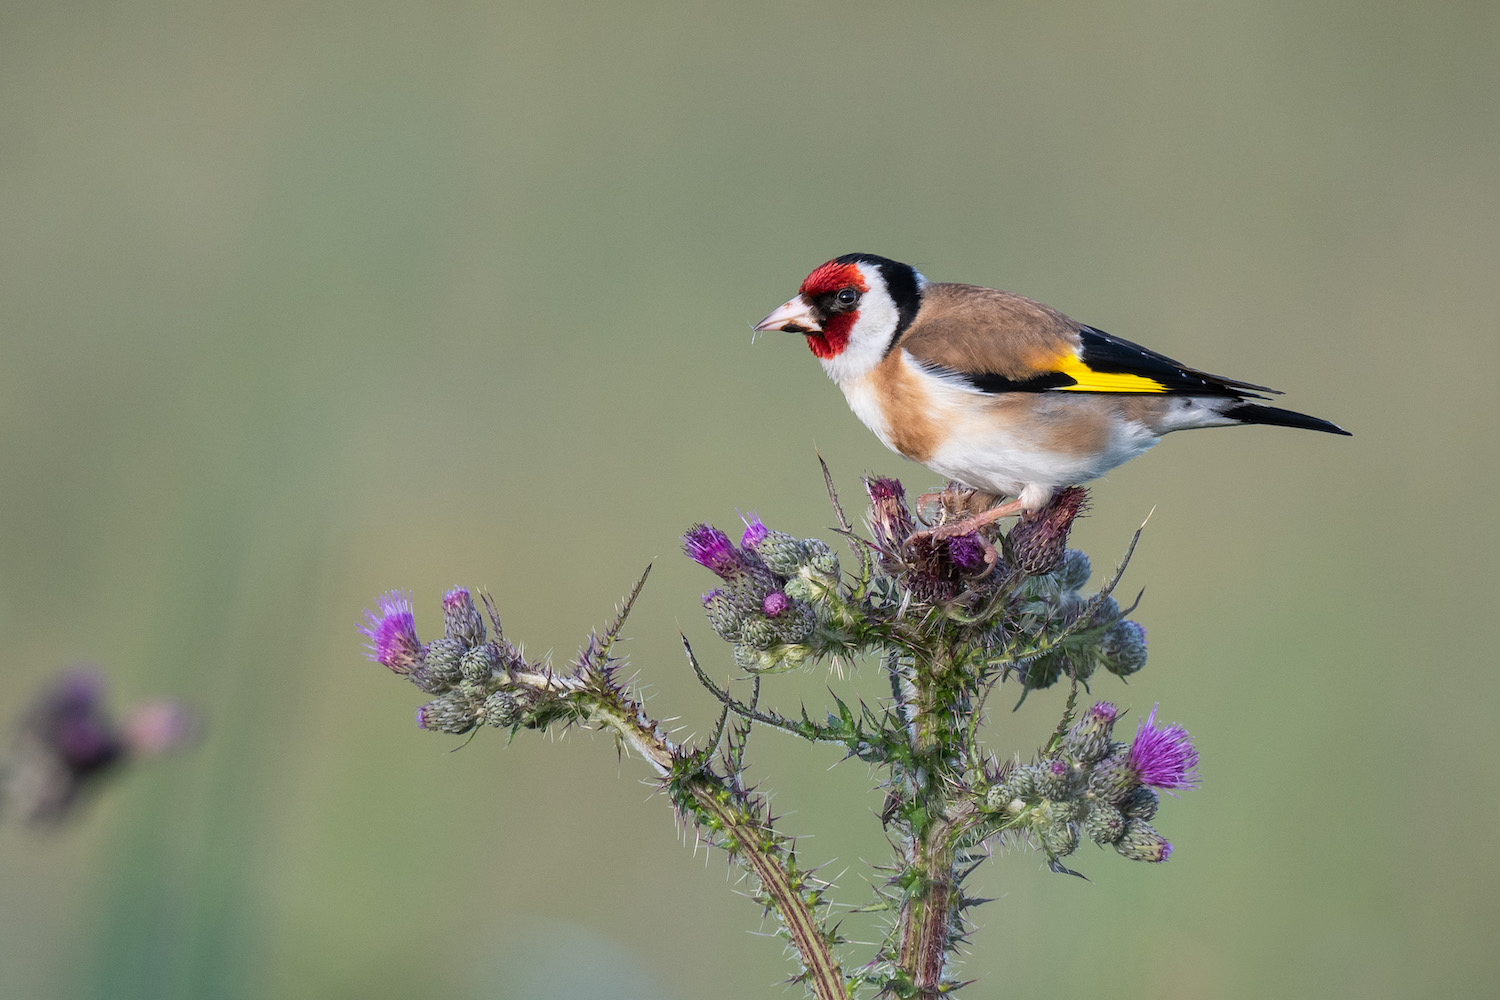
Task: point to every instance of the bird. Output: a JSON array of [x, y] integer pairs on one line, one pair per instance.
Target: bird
[[997, 392]]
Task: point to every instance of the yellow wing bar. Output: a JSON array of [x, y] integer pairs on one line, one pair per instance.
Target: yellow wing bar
[[1091, 381]]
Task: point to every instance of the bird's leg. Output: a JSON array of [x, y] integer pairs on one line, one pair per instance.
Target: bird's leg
[[975, 522]]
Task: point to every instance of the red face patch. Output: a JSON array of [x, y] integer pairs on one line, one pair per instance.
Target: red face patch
[[830, 277], [834, 336]]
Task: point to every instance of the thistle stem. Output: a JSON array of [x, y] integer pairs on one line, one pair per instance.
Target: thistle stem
[[737, 817], [927, 914]]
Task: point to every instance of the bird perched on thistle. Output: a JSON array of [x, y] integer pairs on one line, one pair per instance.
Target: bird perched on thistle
[[1005, 395]]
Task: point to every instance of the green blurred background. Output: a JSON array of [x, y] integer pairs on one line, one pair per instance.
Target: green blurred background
[[302, 302]]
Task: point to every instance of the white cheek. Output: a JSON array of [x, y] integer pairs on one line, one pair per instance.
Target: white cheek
[[870, 335]]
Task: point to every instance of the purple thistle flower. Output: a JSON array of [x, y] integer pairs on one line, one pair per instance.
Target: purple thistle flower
[[775, 603], [755, 532], [392, 633], [1163, 756], [456, 598], [967, 552], [711, 548]]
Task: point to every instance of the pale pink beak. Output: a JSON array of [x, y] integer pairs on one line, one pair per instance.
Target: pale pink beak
[[795, 316]]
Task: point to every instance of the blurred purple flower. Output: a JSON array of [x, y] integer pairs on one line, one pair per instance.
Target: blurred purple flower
[[775, 603], [67, 741]]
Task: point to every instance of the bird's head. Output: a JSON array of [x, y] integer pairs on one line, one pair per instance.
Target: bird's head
[[852, 308]]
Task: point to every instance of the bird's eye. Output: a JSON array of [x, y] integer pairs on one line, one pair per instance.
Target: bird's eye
[[848, 296]]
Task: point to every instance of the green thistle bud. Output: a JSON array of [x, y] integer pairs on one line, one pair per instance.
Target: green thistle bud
[[759, 632], [820, 558], [461, 620], [724, 615], [503, 709], [449, 713], [1074, 571], [782, 553], [1020, 783], [1123, 648], [998, 798], [1088, 739], [795, 623], [1113, 780], [1141, 842], [440, 668], [747, 658], [1062, 811], [1104, 824], [799, 588], [1107, 613], [1141, 803], [479, 664], [1058, 840], [1055, 779]]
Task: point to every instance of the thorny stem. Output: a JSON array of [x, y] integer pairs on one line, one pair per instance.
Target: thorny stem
[[737, 817], [928, 854]]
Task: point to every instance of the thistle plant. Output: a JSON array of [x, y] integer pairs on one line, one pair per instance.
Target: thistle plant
[[948, 620]]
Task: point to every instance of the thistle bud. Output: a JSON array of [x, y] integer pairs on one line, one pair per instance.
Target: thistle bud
[[890, 521], [1061, 811], [461, 620], [724, 615], [1104, 823], [1088, 739], [758, 632], [1054, 779], [1038, 541], [1074, 571], [440, 667], [1059, 840], [781, 552], [480, 663], [1113, 780], [503, 709], [794, 624], [448, 713], [798, 588], [1105, 613], [1123, 648], [1140, 803], [748, 658], [1020, 783], [774, 604], [1140, 842], [820, 558]]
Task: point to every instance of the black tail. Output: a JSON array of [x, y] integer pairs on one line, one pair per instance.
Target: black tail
[[1254, 413]]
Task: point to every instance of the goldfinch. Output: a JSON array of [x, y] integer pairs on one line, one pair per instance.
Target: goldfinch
[[1005, 395]]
